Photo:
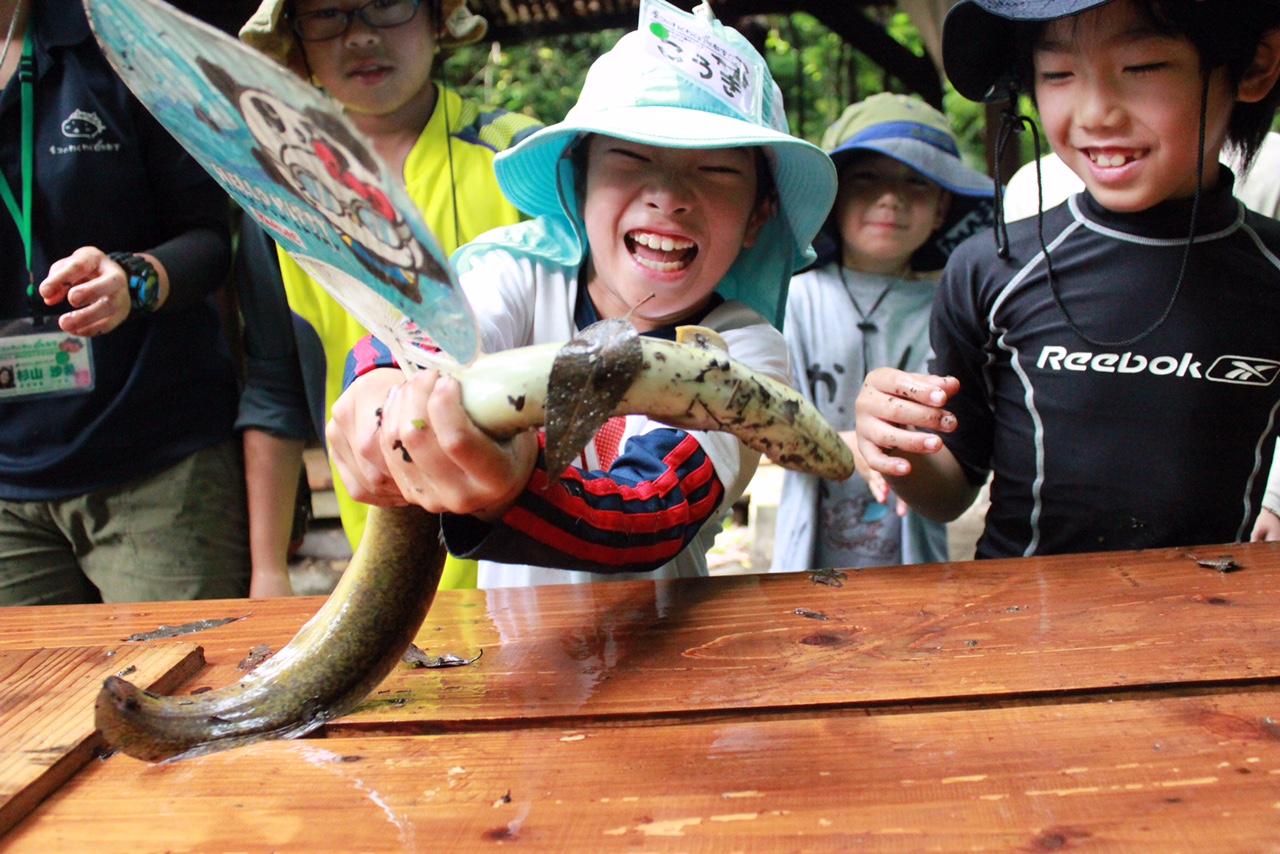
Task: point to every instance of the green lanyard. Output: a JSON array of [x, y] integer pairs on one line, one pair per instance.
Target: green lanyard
[[22, 216]]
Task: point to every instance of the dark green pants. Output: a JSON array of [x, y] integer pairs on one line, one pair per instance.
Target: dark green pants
[[181, 533]]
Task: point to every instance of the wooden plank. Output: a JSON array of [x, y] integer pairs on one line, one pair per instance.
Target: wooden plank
[[960, 633], [226, 629], [966, 632], [46, 711], [1189, 774]]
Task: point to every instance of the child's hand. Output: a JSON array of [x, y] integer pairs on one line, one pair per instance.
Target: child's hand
[[353, 438], [1267, 528], [875, 481], [894, 409], [436, 457]]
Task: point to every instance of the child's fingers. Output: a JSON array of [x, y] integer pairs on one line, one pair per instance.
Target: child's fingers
[[880, 461], [493, 472], [904, 412], [445, 463], [362, 480], [880, 443], [1267, 528], [926, 389], [428, 474], [352, 434], [875, 480], [485, 461], [878, 486]]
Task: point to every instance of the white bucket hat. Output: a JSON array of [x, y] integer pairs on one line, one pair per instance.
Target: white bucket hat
[[651, 89]]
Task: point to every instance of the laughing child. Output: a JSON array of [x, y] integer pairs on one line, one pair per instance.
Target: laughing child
[[905, 200], [664, 195], [1113, 361]]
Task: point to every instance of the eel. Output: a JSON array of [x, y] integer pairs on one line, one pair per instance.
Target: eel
[[346, 649]]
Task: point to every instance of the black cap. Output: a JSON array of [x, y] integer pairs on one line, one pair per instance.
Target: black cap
[[978, 50]]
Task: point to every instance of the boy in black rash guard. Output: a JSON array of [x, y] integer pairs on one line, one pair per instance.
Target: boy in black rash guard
[[1113, 361]]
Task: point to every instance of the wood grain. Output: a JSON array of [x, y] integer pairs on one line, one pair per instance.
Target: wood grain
[[940, 634], [46, 711], [1186, 774]]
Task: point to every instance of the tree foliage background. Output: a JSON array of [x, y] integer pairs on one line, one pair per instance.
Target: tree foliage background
[[818, 73]]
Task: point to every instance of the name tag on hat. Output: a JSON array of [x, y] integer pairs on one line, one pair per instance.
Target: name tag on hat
[[40, 360], [690, 44]]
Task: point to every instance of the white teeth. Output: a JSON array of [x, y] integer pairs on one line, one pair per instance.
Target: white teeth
[[665, 244], [662, 266], [1112, 160]]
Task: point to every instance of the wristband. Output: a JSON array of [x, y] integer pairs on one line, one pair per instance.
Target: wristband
[[144, 282]]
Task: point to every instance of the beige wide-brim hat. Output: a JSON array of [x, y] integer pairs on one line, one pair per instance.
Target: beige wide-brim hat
[[268, 31]]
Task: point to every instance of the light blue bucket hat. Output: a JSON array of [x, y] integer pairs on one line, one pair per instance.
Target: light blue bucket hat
[[650, 88]]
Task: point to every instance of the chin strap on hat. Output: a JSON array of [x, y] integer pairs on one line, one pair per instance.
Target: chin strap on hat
[[1011, 124]]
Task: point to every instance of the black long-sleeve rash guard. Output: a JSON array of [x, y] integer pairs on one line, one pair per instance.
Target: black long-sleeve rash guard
[[1164, 441]]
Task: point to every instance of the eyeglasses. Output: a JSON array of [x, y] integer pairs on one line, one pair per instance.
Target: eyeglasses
[[324, 24]]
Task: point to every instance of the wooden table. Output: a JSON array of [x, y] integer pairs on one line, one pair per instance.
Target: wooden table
[[1126, 700]]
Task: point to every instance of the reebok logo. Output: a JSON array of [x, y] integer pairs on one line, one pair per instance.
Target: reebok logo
[[1243, 370], [1238, 370], [1056, 358]]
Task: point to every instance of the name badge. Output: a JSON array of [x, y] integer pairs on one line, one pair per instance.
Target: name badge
[[699, 51], [40, 360]]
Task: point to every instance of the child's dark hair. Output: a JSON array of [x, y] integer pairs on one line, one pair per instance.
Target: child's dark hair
[[1224, 32]]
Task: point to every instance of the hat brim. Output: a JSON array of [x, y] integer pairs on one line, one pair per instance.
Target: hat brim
[[978, 49], [944, 169], [803, 173], [971, 209]]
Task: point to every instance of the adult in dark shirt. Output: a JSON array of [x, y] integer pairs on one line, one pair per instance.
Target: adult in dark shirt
[[119, 479]]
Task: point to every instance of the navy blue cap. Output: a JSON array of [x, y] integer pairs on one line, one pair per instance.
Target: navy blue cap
[[978, 49]]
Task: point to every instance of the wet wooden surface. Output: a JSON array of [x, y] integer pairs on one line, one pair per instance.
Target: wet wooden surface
[[46, 711], [1181, 774], [1120, 699]]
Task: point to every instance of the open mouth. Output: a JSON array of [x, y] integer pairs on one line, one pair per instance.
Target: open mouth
[[1111, 158], [661, 252], [368, 71]]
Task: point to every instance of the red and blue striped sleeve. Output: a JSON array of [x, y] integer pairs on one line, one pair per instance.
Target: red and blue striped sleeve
[[635, 517], [369, 353]]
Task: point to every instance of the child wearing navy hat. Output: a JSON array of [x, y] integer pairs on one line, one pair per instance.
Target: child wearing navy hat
[[906, 199]]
